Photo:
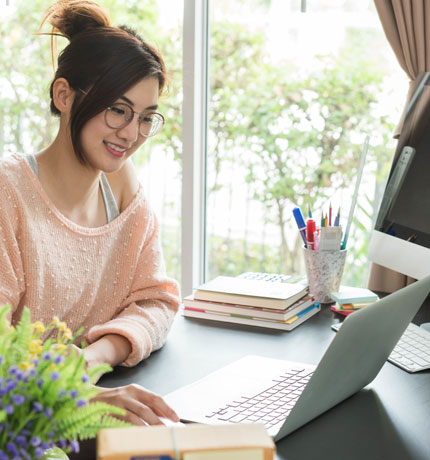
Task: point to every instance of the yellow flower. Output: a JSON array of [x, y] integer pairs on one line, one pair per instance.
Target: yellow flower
[[62, 326], [59, 346], [25, 366], [35, 347], [38, 327], [55, 321], [67, 334]]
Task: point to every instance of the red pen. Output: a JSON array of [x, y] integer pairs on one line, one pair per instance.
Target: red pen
[[310, 238]]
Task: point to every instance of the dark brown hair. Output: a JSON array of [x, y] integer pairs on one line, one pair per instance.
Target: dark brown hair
[[101, 60]]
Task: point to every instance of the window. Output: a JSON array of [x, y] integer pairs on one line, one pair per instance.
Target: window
[[291, 99]]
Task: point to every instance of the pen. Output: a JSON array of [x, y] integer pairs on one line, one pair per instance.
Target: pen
[[309, 211], [329, 215], [300, 223], [322, 220], [355, 195], [310, 230], [337, 218]]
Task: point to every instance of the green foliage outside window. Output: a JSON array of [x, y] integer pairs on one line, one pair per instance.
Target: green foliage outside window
[[296, 136]]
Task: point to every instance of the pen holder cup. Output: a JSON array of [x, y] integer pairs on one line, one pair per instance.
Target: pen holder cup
[[324, 271]]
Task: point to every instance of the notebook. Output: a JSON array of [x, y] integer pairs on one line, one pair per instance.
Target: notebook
[[299, 392]]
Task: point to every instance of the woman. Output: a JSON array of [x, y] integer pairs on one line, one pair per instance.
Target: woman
[[78, 240]]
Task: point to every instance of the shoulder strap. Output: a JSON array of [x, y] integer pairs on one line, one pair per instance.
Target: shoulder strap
[[31, 160], [112, 210]]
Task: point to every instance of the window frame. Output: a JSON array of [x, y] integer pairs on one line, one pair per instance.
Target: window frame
[[194, 142]]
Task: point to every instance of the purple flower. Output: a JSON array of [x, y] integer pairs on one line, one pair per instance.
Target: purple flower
[[58, 359], [39, 452], [2, 392], [85, 378], [55, 376], [81, 402], [62, 393], [73, 393], [19, 374], [11, 385], [18, 399], [12, 370], [46, 356], [37, 407], [74, 446], [11, 447], [40, 383], [48, 412], [31, 372], [35, 362], [20, 440], [3, 456], [8, 409], [35, 441], [1, 359], [62, 443], [24, 455]]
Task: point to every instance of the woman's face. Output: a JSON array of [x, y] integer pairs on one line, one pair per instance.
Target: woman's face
[[106, 148]]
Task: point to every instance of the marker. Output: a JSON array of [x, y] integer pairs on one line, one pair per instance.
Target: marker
[[316, 240], [322, 220], [310, 231], [309, 211], [300, 223], [329, 215]]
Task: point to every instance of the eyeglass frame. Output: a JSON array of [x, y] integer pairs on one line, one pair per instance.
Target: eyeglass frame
[[139, 120]]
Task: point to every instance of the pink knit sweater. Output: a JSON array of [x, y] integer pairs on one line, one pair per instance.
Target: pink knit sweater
[[110, 279]]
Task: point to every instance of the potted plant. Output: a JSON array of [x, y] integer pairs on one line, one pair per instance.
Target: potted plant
[[46, 391]]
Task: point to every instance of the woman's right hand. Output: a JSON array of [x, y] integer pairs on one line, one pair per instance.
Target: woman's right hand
[[142, 406]]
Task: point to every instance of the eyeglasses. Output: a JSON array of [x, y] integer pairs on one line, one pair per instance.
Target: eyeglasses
[[119, 115]]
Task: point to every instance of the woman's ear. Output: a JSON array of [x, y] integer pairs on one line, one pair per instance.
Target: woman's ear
[[62, 95]]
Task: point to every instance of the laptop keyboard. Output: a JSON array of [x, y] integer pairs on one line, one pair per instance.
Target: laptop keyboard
[[271, 406]]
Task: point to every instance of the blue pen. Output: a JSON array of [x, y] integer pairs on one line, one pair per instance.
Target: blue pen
[[300, 223], [337, 219]]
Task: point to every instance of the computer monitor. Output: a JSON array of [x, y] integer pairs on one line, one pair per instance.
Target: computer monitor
[[400, 239]]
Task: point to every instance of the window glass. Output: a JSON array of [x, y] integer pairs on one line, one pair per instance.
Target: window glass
[[27, 126], [292, 97]]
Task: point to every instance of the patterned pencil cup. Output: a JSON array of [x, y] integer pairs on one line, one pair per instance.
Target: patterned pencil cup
[[324, 271]]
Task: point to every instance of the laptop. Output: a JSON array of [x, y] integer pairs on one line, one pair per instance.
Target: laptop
[[286, 395]]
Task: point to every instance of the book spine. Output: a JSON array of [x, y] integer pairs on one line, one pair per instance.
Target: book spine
[[283, 325], [250, 312]]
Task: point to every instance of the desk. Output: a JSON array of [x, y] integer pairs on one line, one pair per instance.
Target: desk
[[389, 419]]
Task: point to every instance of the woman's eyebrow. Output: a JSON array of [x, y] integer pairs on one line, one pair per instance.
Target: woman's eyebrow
[[126, 99]]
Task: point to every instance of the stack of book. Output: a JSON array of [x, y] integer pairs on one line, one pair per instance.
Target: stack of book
[[276, 305], [350, 299]]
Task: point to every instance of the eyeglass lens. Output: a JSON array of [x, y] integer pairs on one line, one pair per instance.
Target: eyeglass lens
[[120, 115]]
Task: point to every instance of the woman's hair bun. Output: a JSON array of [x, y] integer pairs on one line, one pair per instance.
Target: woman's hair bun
[[70, 17]]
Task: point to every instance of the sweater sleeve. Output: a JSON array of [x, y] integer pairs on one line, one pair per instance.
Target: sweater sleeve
[[11, 268], [145, 316]]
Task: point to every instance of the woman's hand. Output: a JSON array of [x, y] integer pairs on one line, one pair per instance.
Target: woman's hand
[[142, 406]]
